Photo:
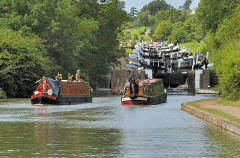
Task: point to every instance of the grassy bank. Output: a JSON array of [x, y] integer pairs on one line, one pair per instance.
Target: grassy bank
[[229, 103], [216, 111]]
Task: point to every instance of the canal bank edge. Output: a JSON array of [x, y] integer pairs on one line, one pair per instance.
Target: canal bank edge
[[218, 121]]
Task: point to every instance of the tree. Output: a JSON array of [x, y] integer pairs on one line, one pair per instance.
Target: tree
[[211, 13], [178, 33], [187, 4], [193, 29], [133, 13], [156, 5], [146, 16], [110, 19], [162, 30], [143, 18], [225, 48], [173, 29], [22, 62], [73, 34], [173, 15]]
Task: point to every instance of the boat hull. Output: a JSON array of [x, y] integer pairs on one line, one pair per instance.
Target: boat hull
[[61, 100], [142, 100]]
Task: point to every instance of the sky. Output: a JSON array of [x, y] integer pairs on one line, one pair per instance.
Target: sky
[[140, 3]]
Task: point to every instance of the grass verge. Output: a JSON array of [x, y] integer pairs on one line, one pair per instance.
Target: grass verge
[[215, 112], [225, 102]]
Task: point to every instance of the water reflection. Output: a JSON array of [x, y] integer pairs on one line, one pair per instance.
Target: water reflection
[[223, 143], [45, 140], [104, 128]]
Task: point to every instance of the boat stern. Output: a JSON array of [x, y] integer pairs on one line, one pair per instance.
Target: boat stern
[[134, 101]]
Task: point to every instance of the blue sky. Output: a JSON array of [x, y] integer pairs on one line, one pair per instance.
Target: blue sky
[[140, 3]]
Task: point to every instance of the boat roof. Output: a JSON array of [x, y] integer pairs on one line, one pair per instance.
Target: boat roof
[[54, 84], [150, 81], [74, 82]]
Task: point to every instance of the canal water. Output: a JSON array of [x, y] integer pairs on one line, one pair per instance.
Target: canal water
[[107, 129]]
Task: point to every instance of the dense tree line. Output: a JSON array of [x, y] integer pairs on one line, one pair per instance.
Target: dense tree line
[[224, 44], [44, 37], [220, 26]]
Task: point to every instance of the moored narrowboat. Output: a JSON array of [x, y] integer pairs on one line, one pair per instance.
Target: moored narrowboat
[[144, 92], [50, 91]]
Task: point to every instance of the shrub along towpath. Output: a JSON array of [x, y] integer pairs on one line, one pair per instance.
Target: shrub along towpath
[[222, 114]]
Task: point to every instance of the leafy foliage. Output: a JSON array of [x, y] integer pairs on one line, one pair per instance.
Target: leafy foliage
[[146, 16], [2, 94], [162, 31], [173, 26], [195, 46], [69, 34], [22, 62], [225, 45], [212, 12], [178, 33], [156, 5], [171, 14]]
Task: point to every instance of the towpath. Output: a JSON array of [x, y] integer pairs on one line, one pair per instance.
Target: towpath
[[225, 108]]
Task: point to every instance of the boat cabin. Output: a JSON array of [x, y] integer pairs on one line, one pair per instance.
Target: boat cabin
[[50, 91]]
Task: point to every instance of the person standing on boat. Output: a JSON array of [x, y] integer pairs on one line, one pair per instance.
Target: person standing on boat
[[77, 76], [131, 76], [131, 81]]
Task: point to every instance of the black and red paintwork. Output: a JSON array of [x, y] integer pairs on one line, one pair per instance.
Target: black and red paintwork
[[51, 91], [144, 100], [141, 98]]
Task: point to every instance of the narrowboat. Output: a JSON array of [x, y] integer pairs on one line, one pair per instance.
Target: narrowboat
[[50, 91], [145, 92]]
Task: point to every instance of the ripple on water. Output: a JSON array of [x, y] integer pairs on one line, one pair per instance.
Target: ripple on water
[[105, 128]]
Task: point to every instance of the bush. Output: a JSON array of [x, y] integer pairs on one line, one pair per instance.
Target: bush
[[229, 70], [21, 62], [2, 94]]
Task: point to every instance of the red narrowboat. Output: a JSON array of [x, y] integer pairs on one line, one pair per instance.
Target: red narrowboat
[[50, 91], [144, 92]]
